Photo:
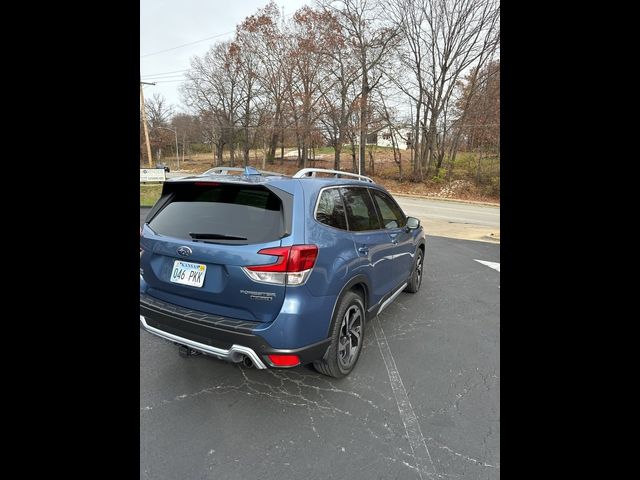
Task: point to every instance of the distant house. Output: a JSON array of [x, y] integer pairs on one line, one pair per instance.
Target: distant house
[[401, 136], [382, 138]]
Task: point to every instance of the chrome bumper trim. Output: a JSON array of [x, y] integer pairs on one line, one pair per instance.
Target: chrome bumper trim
[[234, 354]]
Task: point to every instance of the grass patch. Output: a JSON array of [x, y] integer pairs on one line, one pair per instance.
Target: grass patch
[[324, 151], [149, 194]]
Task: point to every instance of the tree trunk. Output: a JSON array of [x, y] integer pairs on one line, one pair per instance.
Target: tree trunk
[[271, 156], [273, 140], [478, 171], [336, 156], [424, 144], [264, 155], [452, 162], [415, 161], [353, 157], [363, 120], [305, 155], [245, 147], [439, 162], [397, 155]]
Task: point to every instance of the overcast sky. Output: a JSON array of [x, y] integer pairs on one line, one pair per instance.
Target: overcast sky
[[165, 24]]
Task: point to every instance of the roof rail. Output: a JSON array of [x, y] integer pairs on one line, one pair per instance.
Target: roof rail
[[238, 170], [311, 172]]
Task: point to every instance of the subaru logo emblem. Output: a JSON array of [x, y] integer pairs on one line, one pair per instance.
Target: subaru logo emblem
[[184, 251]]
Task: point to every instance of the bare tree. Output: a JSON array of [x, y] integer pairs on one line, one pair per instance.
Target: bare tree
[[213, 91], [390, 122], [158, 115], [477, 112], [246, 64], [331, 75], [268, 41], [158, 112], [372, 39], [312, 29], [338, 101], [189, 130], [443, 39], [411, 77]]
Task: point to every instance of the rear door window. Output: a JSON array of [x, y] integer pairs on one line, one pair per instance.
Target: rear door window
[[221, 213], [361, 214]]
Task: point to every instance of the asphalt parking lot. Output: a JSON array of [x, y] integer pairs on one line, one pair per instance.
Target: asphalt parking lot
[[423, 401]]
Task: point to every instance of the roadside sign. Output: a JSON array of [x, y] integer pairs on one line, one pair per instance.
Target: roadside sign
[[152, 175]]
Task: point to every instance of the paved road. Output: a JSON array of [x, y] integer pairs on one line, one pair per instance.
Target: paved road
[[452, 211], [423, 401], [454, 219]]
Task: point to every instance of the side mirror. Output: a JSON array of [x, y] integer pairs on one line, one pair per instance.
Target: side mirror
[[412, 223]]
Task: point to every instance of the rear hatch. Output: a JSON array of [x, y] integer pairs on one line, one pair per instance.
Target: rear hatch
[[199, 235]]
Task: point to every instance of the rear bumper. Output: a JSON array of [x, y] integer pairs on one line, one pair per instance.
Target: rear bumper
[[226, 339], [233, 354]]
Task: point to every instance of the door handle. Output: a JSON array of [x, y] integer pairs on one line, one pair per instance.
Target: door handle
[[394, 239], [364, 250]]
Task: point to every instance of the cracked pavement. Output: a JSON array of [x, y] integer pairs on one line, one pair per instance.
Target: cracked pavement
[[201, 418]]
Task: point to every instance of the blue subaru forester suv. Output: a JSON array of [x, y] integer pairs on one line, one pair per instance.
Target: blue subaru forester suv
[[275, 271]]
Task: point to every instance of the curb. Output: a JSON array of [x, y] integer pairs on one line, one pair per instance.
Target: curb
[[491, 238], [426, 197], [485, 239]]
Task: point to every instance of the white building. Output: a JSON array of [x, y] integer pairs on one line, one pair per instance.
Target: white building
[[382, 138], [401, 136]]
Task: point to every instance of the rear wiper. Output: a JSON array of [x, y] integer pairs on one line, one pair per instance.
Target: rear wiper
[[213, 236]]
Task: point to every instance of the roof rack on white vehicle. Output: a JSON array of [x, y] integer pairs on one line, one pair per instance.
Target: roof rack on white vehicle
[[245, 171], [311, 172]]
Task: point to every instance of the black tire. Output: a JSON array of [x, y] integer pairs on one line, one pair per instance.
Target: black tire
[[415, 280], [346, 342]]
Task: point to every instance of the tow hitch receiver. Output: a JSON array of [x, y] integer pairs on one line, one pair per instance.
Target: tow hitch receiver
[[186, 352]]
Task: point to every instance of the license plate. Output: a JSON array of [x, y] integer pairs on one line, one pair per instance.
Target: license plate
[[188, 273]]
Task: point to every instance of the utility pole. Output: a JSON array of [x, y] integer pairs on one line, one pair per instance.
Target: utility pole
[[144, 122]]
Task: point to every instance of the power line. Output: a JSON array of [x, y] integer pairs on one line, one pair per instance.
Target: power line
[[165, 73], [196, 41], [165, 77], [186, 44]]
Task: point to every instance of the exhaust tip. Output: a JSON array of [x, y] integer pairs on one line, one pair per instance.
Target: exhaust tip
[[247, 362]]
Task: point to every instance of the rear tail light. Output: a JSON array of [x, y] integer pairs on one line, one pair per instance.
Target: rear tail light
[[284, 360], [293, 266]]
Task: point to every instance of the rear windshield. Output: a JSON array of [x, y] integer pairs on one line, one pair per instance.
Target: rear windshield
[[221, 213]]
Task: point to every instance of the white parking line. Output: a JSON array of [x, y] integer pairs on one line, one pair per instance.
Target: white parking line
[[417, 443], [494, 265]]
